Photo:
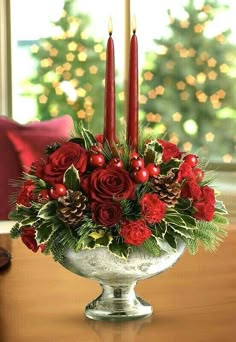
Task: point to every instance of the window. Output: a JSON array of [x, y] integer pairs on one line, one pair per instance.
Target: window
[[186, 63]]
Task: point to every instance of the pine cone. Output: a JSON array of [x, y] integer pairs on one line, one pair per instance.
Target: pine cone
[[167, 189], [71, 207]]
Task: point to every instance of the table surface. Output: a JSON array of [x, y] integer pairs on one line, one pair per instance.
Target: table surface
[[40, 301]]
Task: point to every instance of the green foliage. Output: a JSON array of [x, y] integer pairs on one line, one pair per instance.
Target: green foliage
[[71, 178], [48, 210], [119, 249], [152, 246], [207, 234], [15, 231]]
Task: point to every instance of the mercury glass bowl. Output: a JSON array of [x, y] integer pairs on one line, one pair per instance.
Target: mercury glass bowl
[[118, 277]]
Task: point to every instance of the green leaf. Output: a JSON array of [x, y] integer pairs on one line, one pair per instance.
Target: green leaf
[[15, 231], [151, 246], [182, 220], [181, 231], [89, 139], [220, 207], [220, 219], [29, 221], [43, 232], [165, 246], [120, 250], [104, 241], [48, 211], [71, 178], [171, 240]]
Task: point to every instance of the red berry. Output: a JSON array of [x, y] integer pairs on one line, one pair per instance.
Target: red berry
[[137, 162], [43, 196], [199, 174], [96, 148], [153, 169], [57, 190], [191, 159], [117, 162], [140, 175], [133, 154], [97, 160]]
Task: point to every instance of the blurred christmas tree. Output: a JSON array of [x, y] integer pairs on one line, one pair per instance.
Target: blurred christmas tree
[[70, 71], [188, 86]]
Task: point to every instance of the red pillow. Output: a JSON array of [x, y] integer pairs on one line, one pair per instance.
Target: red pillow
[[20, 145]]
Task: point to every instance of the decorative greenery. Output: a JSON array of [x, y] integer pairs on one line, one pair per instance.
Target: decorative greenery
[[70, 200]]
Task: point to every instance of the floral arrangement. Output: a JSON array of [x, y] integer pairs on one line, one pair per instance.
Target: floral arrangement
[[85, 193]]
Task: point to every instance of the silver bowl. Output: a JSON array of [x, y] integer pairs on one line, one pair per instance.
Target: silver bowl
[[118, 277]]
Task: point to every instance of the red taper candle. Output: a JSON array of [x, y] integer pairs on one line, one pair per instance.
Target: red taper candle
[[132, 117], [110, 103]]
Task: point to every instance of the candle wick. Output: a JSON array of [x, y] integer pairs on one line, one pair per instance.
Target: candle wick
[[110, 33], [134, 31]]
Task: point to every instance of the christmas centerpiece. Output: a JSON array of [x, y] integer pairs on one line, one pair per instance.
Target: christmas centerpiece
[[117, 208]]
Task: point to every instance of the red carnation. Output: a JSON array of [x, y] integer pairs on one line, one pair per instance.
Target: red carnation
[[185, 172], [135, 232], [60, 160], [152, 208], [106, 213], [208, 194], [204, 211], [111, 184], [169, 151], [26, 193], [191, 190], [28, 238]]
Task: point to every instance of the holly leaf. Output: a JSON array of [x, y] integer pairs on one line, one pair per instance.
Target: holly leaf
[[220, 207], [89, 139], [120, 250], [71, 178], [43, 232], [48, 211], [151, 246], [165, 246]]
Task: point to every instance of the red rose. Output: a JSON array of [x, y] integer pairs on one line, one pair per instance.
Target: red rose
[[191, 190], [208, 194], [60, 160], [107, 213], [135, 232], [169, 150], [84, 183], [185, 172], [204, 211], [28, 238], [152, 208], [26, 193], [110, 184]]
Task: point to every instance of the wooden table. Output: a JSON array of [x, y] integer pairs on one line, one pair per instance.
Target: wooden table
[[40, 301]]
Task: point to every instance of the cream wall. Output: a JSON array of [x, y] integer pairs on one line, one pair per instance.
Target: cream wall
[[5, 57]]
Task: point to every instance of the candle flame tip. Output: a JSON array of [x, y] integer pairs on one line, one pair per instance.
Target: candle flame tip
[[110, 26]]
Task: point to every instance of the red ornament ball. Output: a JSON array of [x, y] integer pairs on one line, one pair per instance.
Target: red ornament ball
[[199, 174], [140, 175], [96, 160], [191, 159], [43, 196], [57, 190], [153, 169], [136, 162], [117, 162]]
